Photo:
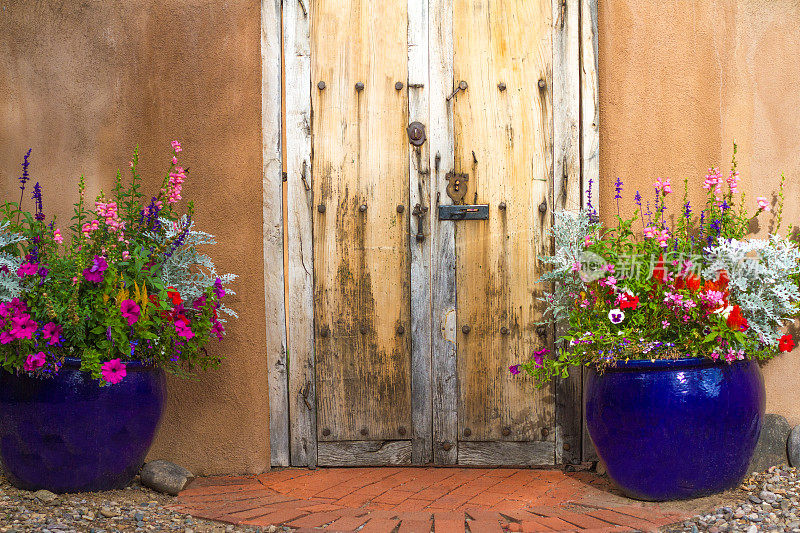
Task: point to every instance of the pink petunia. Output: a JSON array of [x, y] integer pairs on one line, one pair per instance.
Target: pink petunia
[[52, 333], [176, 145], [130, 310], [218, 330], [183, 330], [27, 269], [23, 327], [6, 337], [113, 371], [34, 361], [514, 369]]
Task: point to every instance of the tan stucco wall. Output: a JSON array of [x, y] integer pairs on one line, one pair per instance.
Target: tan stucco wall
[[81, 83], [679, 81]]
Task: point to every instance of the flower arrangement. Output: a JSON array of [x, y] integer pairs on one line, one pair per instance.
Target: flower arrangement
[[667, 286], [126, 284]]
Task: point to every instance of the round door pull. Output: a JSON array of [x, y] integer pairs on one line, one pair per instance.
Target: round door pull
[[465, 329], [326, 432], [506, 432], [401, 430]]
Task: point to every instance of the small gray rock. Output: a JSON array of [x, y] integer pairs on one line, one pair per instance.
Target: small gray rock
[[771, 447], [163, 476], [752, 529], [44, 495], [793, 446]]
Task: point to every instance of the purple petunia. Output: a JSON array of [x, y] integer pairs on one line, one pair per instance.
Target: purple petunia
[[52, 333], [514, 369], [219, 291], [95, 272]]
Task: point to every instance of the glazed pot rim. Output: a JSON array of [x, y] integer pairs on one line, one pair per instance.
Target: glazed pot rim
[[75, 362], [667, 364]]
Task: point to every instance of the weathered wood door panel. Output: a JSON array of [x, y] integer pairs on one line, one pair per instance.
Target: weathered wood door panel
[[401, 327], [503, 142], [361, 249]]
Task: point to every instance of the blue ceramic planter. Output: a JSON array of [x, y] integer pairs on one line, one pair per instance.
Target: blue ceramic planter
[[670, 430], [68, 434]]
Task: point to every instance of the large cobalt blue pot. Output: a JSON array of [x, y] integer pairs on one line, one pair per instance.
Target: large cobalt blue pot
[[670, 430], [68, 434]]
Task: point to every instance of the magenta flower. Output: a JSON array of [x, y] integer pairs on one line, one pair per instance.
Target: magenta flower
[[113, 371], [34, 361], [183, 330], [5, 309], [514, 369], [6, 337], [218, 290], [27, 269], [95, 272], [538, 357], [23, 327], [218, 330], [130, 310], [52, 333], [18, 305]]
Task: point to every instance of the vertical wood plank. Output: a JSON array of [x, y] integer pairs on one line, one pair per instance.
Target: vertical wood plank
[[300, 308], [567, 195], [361, 248], [443, 260], [419, 185], [272, 176], [503, 141], [590, 137]]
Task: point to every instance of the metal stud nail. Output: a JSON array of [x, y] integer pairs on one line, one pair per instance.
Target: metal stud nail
[[400, 330], [362, 207], [401, 208], [506, 432], [398, 86], [401, 430], [321, 86], [326, 432], [504, 330], [545, 432], [363, 329], [420, 237], [462, 85], [364, 431], [542, 83], [465, 329], [325, 331], [360, 86], [321, 208], [501, 206], [447, 446], [467, 432], [543, 206], [501, 86], [566, 446]]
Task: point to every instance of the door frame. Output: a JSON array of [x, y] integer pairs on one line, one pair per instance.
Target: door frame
[[288, 227]]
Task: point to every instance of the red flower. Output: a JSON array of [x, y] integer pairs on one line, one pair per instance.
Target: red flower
[[786, 343], [693, 282], [629, 302], [659, 273], [722, 280], [736, 321], [174, 295]]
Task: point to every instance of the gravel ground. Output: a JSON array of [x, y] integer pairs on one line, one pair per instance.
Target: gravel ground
[[134, 509], [766, 501]]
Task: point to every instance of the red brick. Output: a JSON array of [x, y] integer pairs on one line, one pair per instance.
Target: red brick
[[412, 505], [532, 526], [608, 529], [415, 526], [380, 525], [515, 526], [581, 520], [347, 523], [622, 519], [393, 496], [485, 526], [556, 524], [415, 516], [274, 519], [315, 520], [449, 526], [483, 514]]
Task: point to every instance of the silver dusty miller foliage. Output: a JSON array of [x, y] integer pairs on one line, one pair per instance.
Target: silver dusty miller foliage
[[759, 271], [186, 269], [10, 285]]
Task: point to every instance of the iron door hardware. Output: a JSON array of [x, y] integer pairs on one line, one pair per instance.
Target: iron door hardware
[[462, 86], [416, 133], [456, 186], [464, 212], [419, 212]]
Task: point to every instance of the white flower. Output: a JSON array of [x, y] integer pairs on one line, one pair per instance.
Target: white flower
[[724, 311], [616, 316]]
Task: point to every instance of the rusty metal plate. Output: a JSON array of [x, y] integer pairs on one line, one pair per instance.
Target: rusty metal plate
[[464, 212]]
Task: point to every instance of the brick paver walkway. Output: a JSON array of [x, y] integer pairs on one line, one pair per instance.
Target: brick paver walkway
[[424, 500]]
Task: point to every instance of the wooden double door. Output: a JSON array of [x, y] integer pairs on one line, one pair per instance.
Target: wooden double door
[[421, 154]]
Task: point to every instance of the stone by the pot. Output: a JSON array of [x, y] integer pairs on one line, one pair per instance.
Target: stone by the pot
[[793, 446], [600, 468], [771, 447], [166, 477], [44, 495]]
